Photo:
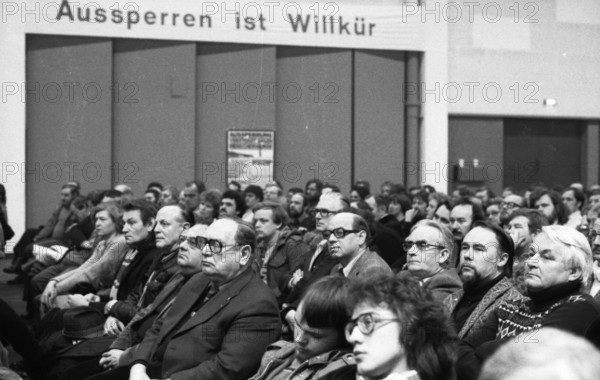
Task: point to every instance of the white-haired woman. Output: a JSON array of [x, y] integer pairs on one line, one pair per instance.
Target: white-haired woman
[[558, 277]]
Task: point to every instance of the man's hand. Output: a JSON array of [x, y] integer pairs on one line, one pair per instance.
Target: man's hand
[[49, 294], [74, 300], [138, 372], [296, 277], [110, 359], [112, 326]]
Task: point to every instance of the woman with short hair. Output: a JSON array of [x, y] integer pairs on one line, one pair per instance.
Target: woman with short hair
[[399, 332]]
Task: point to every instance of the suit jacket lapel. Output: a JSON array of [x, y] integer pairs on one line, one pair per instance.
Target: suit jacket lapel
[[360, 263], [218, 301], [184, 302]]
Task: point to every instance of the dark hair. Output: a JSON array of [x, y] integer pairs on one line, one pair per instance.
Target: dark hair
[[317, 182], [278, 213], [487, 190], [362, 191], [464, 191], [401, 199], [422, 195], [579, 196], [240, 202], [360, 224], [236, 184], [79, 202], [426, 332], [559, 208], [324, 304], [212, 196], [364, 184], [428, 188], [112, 193], [256, 190], [154, 192], [536, 220], [295, 190], [147, 210], [382, 200], [154, 184], [505, 243], [198, 184], [73, 189], [476, 209], [2, 194]]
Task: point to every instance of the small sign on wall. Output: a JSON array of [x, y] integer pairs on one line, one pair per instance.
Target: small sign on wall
[[250, 155]]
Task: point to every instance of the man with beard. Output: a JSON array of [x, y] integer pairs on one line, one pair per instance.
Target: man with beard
[[462, 217], [510, 204], [486, 259], [297, 210], [313, 191], [550, 204]]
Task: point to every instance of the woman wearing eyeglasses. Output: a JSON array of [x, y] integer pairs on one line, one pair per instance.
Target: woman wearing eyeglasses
[[399, 332], [319, 350]]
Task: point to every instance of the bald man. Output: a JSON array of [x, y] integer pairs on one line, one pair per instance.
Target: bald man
[[348, 236]]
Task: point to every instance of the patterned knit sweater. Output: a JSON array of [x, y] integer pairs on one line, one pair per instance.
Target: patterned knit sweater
[[561, 307]]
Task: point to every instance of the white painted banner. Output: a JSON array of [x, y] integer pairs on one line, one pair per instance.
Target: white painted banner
[[328, 24]]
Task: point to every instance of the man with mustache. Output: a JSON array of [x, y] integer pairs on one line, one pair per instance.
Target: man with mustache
[[486, 260], [463, 215]]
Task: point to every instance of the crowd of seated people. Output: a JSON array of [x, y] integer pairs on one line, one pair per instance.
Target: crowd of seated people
[[260, 283]]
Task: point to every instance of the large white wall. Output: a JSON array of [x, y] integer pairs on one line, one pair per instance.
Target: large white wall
[[534, 51]]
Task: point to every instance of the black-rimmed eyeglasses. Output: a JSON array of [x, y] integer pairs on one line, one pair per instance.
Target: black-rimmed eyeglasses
[[323, 211], [421, 245], [367, 323], [339, 233], [199, 242]]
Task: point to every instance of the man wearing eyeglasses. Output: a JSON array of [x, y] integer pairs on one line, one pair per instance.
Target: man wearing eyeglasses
[[486, 260], [510, 204], [222, 320], [348, 238], [119, 355], [428, 249], [320, 263]]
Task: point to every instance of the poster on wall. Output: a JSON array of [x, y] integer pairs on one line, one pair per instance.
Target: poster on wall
[[250, 155]]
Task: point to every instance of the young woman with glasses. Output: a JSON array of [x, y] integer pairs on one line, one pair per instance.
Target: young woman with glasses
[[399, 332]]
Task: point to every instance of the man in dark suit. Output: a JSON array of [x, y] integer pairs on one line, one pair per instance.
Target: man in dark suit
[[348, 244], [221, 321]]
